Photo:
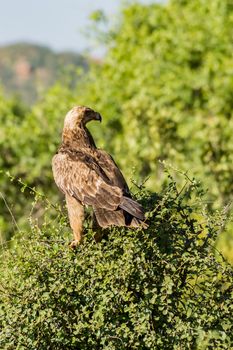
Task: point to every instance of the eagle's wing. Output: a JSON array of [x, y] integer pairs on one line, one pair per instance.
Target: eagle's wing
[[116, 178], [79, 175], [111, 169]]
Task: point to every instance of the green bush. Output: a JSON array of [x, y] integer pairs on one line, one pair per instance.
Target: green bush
[[161, 288], [12, 114]]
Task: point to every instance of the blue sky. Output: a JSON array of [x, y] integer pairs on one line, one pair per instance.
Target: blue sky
[[54, 23]]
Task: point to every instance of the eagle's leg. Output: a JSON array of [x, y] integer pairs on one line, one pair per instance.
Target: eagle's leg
[[76, 217], [97, 229]]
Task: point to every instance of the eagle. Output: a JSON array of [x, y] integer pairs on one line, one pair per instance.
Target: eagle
[[88, 176]]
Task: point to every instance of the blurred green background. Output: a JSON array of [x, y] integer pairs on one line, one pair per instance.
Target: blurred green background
[[163, 84]]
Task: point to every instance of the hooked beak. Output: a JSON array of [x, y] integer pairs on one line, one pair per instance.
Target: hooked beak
[[98, 117]]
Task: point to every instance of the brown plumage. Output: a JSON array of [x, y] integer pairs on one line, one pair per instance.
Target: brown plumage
[[89, 176]]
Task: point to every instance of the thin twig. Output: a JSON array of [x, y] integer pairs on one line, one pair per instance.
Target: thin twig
[[8, 208]]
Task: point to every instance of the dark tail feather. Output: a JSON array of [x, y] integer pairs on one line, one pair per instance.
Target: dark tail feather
[[132, 207], [107, 218]]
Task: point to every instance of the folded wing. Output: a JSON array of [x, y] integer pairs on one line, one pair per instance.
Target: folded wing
[[82, 178]]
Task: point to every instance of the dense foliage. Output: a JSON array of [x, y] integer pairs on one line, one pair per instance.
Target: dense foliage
[[159, 288]]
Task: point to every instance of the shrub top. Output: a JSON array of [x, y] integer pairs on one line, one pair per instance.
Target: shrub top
[[160, 288]]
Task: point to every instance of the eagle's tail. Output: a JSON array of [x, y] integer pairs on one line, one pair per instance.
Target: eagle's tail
[[119, 217], [132, 207]]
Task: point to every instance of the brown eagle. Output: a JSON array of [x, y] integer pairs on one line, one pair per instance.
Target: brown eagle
[[89, 176]]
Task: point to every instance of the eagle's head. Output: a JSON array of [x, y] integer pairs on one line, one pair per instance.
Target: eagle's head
[[79, 116]]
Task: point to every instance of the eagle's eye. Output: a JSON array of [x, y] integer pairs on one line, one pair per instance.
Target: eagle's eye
[[88, 113]]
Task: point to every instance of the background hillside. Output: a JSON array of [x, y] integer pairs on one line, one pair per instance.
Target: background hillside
[[28, 70]]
